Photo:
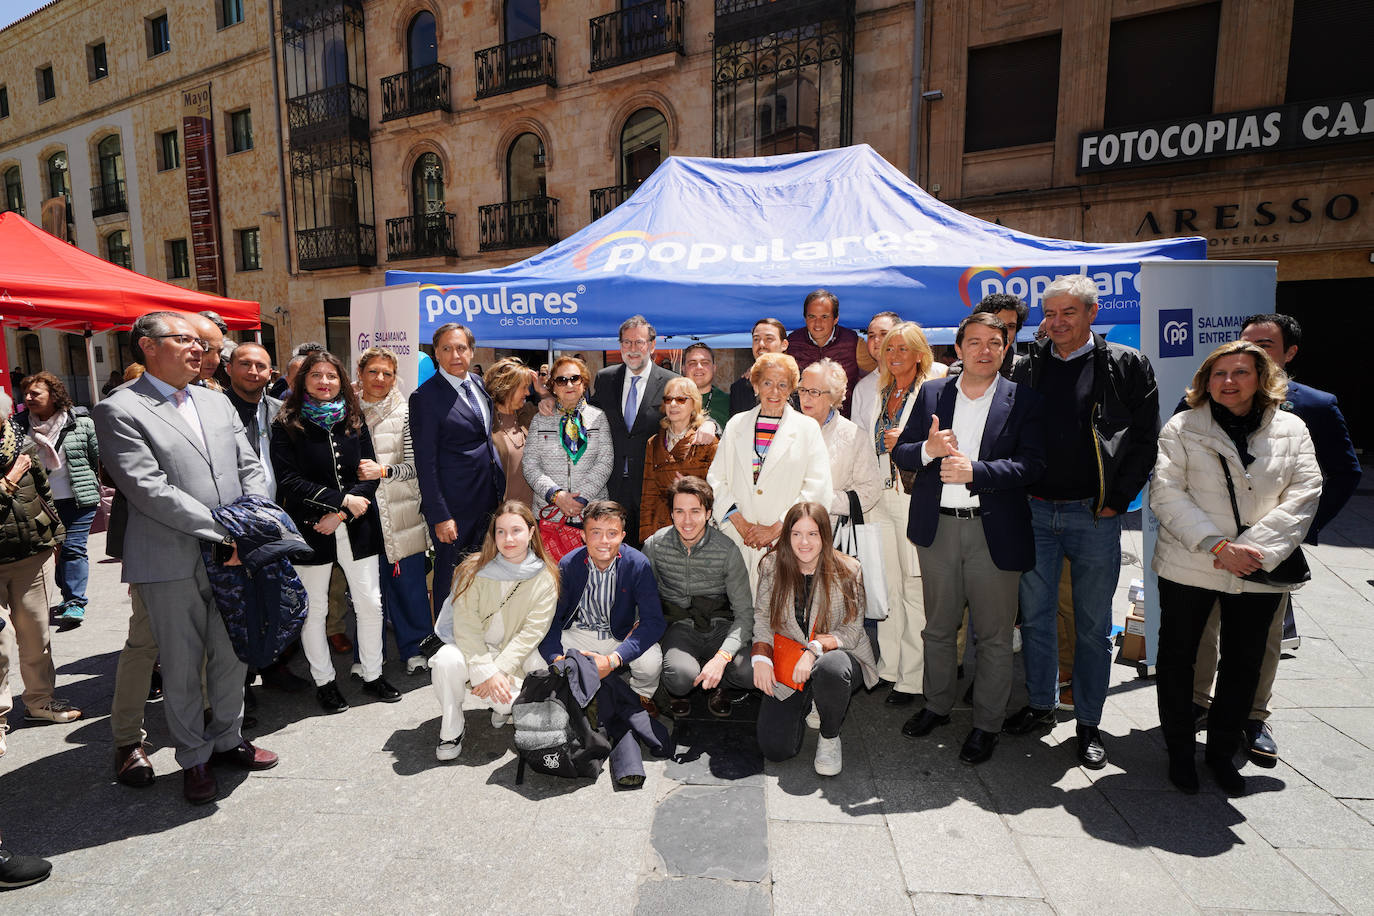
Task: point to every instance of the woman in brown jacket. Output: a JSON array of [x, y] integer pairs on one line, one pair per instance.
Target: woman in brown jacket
[[673, 453]]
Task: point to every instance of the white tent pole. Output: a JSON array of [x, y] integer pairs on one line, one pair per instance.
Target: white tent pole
[[90, 368]]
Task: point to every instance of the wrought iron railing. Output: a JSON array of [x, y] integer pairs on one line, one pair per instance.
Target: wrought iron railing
[[109, 198], [516, 65], [349, 245], [604, 200], [737, 20], [518, 224], [636, 32], [415, 92], [423, 235], [327, 114]]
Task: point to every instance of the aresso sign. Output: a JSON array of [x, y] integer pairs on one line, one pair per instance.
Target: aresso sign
[[1303, 124]]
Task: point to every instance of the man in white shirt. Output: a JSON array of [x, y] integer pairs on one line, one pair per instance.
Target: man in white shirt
[[975, 441]]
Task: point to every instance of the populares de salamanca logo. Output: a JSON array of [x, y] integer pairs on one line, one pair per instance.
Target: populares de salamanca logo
[[620, 250], [1116, 286], [1175, 332]]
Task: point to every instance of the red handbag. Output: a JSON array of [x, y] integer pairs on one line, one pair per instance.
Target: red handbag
[[560, 537]]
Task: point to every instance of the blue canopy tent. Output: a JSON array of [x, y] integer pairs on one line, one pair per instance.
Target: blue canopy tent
[[705, 247]]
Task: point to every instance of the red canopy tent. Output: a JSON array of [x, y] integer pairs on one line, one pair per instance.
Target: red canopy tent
[[47, 283]]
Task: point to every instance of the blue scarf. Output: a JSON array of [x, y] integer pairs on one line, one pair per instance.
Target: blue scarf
[[323, 414]]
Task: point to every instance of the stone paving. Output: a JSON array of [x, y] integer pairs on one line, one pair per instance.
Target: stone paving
[[360, 817]]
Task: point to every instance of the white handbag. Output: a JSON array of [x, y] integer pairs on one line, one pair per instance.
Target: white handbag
[[865, 544]]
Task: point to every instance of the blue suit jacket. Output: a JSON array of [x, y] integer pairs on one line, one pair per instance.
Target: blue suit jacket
[[636, 617], [1335, 452], [460, 475], [1010, 457]]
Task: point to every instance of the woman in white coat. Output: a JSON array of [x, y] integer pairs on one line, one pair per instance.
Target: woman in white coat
[[502, 603], [1236, 427], [904, 364], [853, 465], [770, 458]]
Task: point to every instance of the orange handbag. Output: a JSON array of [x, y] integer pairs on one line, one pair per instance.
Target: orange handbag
[[786, 653]]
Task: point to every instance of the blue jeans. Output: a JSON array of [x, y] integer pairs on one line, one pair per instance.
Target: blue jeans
[[406, 601], [73, 568], [1093, 547]]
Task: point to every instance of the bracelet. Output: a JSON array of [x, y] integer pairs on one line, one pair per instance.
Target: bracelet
[[722, 654], [1219, 546]]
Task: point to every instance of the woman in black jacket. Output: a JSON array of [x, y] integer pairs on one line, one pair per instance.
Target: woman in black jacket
[[318, 439]]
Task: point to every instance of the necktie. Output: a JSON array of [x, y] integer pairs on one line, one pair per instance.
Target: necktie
[[472, 402], [631, 408]]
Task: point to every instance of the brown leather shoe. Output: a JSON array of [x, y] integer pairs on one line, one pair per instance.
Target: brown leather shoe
[[246, 757], [679, 707], [132, 766], [718, 702], [649, 706], [198, 784], [341, 643]]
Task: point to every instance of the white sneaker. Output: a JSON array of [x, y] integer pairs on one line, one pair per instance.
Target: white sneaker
[[829, 761], [499, 720], [54, 710], [416, 663], [2, 742], [1015, 640], [813, 719], [449, 750], [356, 670]]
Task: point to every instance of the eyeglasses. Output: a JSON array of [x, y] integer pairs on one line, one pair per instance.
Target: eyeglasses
[[634, 344], [675, 399], [186, 340], [813, 392], [568, 380]]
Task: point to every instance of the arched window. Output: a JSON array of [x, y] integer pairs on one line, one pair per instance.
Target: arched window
[[59, 180], [643, 140], [427, 185], [525, 168], [111, 160], [422, 41], [521, 19], [14, 190], [117, 249]]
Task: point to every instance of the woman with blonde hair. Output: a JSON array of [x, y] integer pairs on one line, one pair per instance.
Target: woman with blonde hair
[[905, 362], [569, 456], [508, 382], [673, 453], [770, 458], [502, 604], [1235, 488]]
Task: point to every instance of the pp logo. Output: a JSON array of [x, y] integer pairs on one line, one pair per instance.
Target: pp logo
[[363, 341], [551, 761], [1176, 332]]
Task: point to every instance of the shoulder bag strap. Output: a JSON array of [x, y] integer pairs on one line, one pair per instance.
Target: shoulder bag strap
[[1231, 490], [856, 512]]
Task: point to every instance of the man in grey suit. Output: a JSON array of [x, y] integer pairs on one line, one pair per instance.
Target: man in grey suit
[[176, 451]]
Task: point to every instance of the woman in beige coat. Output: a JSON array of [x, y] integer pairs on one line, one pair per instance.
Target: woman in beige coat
[[1236, 428], [502, 603]]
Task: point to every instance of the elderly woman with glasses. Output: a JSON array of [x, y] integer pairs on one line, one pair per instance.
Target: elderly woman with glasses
[[569, 456], [853, 463], [770, 459], [673, 453]]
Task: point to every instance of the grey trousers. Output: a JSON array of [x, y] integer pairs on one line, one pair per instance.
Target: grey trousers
[[686, 649], [958, 571], [189, 630]]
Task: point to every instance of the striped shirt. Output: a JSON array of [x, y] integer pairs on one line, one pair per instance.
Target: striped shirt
[[765, 428], [594, 610]]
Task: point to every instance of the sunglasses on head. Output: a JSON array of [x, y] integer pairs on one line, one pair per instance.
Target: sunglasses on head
[[568, 380], [675, 399]]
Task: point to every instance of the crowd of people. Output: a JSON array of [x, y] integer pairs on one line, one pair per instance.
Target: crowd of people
[[694, 538]]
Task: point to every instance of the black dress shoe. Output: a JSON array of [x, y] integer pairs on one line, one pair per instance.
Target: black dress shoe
[[155, 686], [279, 677], [1183, 774], [1027, 719], [1225, 773], [897, 697], [978, 747], [923, 723], [330, 699], [1091, 752], [383, 691], [1259, 744]]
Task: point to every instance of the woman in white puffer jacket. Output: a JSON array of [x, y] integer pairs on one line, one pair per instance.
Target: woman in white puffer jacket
[[1236, 418]]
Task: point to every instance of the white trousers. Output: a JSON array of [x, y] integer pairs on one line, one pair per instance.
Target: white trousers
[[365, 585], [449, 673], [899, 636], [644, 671]]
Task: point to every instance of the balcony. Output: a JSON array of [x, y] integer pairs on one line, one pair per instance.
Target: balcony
[[350, 245], [415, 92], [516, 65], [737, 20], [109, 198], [327, 114], [637, 32], [518, 224], [604, 200], [424, 235]]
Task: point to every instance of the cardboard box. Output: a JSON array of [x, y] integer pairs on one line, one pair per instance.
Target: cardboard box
[[1133, 639]]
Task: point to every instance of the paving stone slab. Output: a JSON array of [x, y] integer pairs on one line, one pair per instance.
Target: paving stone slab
[[713, 832], [860, 871], [1304, 816], [674, 896], [715, 753], [1347, 875], [1339, 764], [936, 904], [1130, 878], [1356, 723], [797, 793]]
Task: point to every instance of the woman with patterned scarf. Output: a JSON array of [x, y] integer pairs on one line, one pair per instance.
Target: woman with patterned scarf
[[319, 439], [569, 456]]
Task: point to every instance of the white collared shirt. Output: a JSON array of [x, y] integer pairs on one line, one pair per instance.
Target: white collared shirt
[[466, 383], [1054, 351], [186, 410], [969, 421], [643, 376]]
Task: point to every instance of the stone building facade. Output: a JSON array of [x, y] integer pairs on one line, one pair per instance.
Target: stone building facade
[[94, 101], [1248, 122]]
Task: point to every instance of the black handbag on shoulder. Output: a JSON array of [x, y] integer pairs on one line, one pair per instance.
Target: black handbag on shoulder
[[1292, 571]]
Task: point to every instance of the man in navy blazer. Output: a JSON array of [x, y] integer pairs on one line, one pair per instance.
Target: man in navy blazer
[[608, 606], [460, 474], [975, 441]]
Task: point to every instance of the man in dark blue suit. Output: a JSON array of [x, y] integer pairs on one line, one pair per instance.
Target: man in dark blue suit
[[461, 478], [975, 442], [1279, 336]]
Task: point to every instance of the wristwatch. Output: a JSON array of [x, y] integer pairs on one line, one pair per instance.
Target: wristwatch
[[816, 648]]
